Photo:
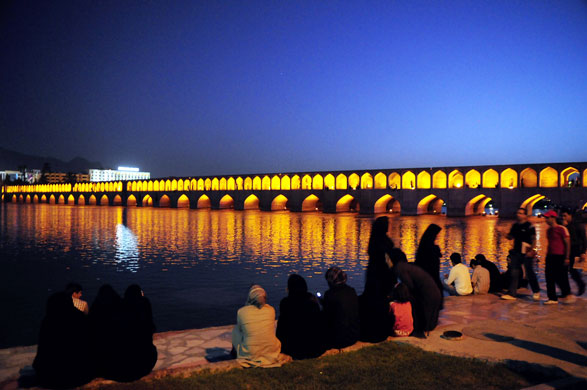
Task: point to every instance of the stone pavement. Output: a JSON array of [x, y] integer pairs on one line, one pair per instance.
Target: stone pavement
[[518, 332]]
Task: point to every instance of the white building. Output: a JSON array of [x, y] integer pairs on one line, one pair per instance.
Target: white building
[[122, 173]]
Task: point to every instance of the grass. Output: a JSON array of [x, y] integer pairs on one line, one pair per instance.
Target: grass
[[387, 365]]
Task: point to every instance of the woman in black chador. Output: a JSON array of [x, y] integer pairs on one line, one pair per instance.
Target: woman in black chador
[[137, 354], [300, 327], [426, 299], [428, 255], [62, 359], [374, 303], [106, 331]]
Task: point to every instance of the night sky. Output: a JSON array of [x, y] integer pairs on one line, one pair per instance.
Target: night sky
[[226, 87]]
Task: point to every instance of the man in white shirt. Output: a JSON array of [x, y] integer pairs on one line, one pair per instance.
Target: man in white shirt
[[458, 282]]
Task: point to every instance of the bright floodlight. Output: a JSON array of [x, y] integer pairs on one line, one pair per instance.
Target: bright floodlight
[[128, 169]]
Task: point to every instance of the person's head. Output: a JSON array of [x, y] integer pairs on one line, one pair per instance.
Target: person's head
[[473, 263], [257, 296], [480, 258], [335, 276], [430, 234], [60, 305], [133, 292], [74, 289], [401, 293], [522, 215], [567, 216], [296, 285], [397, 256], [455, 258], [380, 226], [551, 217]]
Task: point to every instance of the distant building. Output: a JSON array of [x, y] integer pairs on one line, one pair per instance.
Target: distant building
[[12, 175], [122, 173], [60, 177]]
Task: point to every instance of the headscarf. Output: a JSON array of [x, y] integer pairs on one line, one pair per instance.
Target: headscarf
[[296, 285], [257, 296], [335, 276]]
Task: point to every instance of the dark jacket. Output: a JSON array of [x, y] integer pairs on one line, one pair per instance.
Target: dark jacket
[[341, 313]]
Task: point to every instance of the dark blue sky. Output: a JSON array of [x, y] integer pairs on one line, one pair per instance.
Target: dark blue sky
[[211, 87]]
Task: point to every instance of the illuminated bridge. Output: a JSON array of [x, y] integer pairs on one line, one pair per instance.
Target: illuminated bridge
[[462, 190]]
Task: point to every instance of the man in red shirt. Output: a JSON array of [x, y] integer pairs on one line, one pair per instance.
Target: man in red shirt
[[557, 259]]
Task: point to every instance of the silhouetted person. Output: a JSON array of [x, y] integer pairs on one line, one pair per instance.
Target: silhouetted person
[[557, 260], [75, 290], [300, 327], [428, 256], [136, 355], [62, 359], [578, 247], [341, 310], [494, 274], [374, 302], [106, 329], [426, 298]]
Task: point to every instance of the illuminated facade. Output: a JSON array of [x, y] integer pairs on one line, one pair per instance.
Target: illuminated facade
[[458, 190], [122, 173]]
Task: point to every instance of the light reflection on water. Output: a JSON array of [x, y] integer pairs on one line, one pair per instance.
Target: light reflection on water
[[196, 265]]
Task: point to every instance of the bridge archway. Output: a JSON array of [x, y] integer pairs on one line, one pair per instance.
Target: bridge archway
[[81, 200], [528, 178], [266, 183], [61, 199], [296, 183], [306, 182], [430, 204], [226, 202], [204, 202], [35, 198], [215, 184], [423, 180], [509, 178], [117, 201], [164, 201], [311, 203], [439, 179], [285, 183], [347, 203], [44, 198], [14, 199], [239, 183], [147, 201], [354, 181], [317, 182], [329, 182], [380, 181], [251, 202], [51, 199], [529, 203], [455, 179], [208, 184], [132, 200], [585, 178], [92, 200], [341, 182], [409, 180], [366, 181], [279, 203], [568, 175], [490, 179], [70, 199], [395, 181], [548, 178], [28, 199], [104, 200], [248, 184], [473, 179], [476, 206], [584, 207], [385, 204], [183, 202]]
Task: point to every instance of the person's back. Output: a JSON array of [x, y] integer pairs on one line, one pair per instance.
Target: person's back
[[341, 311], [459, 276], [481, 279], [401, 310], [495, 284], [300, 325]]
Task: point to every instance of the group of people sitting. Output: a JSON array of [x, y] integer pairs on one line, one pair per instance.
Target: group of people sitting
[[112, 338]]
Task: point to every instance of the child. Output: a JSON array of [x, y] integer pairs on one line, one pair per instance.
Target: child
[[401, 308]]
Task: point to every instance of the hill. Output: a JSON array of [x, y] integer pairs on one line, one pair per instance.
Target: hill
[[11, 160]]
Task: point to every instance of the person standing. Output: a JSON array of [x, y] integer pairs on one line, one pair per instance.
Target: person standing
[[557, 259], [524, 235], [428, 256], [578, 248]]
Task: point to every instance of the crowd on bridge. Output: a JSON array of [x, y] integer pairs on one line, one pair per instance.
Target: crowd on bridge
[[113, 338]]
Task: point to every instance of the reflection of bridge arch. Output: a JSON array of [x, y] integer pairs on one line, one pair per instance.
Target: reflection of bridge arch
[[386, 203], [476, 206], [183, 202], [430, 204], [226, 202], [251, 202], [279, 203], [311, 203], [92, 200], [204, 202], [117, 201], [347, 203], [529, 203], [35, 198]]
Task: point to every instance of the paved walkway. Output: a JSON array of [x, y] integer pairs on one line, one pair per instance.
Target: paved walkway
[[519, 332]]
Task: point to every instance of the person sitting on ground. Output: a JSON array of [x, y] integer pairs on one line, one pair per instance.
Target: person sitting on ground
[[341, 311], [401, 310], [253, 336], [63, 352], [481, 279], [75, 290], [106, 326], [458, 282], [136, 355], [494, 274], [300, 327], [424, 293]]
